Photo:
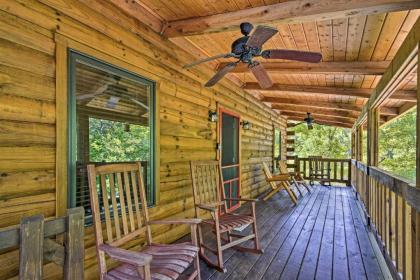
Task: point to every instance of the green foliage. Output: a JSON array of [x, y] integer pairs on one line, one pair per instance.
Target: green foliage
[[112, 141], [397, 146], [326, 141]]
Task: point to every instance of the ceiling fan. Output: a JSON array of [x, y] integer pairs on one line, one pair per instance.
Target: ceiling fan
[[309, 120], [248, 47]]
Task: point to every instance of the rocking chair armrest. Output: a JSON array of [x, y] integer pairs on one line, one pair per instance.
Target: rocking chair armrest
[[176, 222], [210, 207], [280, 177], [126, 256], [241, 199]]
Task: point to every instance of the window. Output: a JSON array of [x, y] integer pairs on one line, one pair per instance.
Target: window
[[112, 116], [277, 148]]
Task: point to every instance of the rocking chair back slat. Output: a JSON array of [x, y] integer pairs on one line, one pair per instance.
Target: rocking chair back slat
[[114, 206], [105, 200], [283, 167], [206, 185], [122, 202], [120, 186]]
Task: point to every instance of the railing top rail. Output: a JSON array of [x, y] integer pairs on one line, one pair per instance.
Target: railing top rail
[[401, 186], [327, 159]]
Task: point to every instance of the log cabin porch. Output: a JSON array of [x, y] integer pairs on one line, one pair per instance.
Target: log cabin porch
[[101, 82]]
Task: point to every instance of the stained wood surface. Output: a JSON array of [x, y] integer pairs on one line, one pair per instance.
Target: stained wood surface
[[31, 130], [325, 236]]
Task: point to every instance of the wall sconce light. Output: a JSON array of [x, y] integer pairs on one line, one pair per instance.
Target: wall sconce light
[[212, 116], [246, 125]]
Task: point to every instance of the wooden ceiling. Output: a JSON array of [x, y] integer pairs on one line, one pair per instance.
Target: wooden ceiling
[[357, 39]]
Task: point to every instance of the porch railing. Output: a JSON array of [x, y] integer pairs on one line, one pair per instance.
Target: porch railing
[[392, 205], [339, 168]]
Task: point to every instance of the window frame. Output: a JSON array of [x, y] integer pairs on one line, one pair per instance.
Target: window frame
[[74, 56]]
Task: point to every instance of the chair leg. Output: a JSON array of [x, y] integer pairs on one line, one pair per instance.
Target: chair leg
[[271, 193], [257, 245], [297, 185], [200, 240], [291, 194], [197, 257], [219, 254]]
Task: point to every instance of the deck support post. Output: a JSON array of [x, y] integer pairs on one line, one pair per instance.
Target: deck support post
[[372, 149], [415, 216]]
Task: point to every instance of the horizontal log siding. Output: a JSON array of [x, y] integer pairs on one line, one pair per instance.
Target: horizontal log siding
[[28, 114]]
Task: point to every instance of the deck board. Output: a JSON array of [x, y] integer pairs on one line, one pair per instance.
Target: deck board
[[323, 237]]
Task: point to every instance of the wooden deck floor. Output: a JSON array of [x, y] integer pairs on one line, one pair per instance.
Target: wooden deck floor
[[323, 237]]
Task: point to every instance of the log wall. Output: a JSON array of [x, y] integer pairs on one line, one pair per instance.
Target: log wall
[[28, 112]]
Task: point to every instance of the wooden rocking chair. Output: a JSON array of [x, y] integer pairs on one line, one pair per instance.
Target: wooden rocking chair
[[206, 178], [296, 177], [283, 183], [118, 188]]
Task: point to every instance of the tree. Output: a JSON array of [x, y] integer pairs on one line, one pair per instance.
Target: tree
[[326, 141], [397, 146]]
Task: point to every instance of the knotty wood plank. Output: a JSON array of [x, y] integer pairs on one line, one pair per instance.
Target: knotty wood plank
[[270, 252], [325, 259], [340, 262], [276, 266], [276, 224], [309, 263], [263, 213], [355, 262], [294, 263], [371, 264]]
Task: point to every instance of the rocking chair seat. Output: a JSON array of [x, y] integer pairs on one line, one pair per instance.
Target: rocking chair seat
[[230, 221], [168, 263]]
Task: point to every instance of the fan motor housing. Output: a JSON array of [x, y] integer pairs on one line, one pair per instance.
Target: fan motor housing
[[242, 51]]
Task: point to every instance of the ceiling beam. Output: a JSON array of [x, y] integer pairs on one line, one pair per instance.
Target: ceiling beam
[[404, 95], [324, 111], [318, 118], [315, 104], [341, 67], [288, 12]]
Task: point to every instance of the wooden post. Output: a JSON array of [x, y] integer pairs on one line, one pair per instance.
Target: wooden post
[[31, 248], [415, 216], [73, 267], [372, 149]]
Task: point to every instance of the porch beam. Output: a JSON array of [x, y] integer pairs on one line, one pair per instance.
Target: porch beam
[[307, 109], [319, 119], [339, 67], [403, 95], [314, 104], [289, 12]]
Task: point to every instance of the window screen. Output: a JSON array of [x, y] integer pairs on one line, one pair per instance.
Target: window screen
[[111, 120]]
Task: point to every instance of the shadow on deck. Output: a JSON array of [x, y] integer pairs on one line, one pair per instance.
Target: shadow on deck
[[324, 237]]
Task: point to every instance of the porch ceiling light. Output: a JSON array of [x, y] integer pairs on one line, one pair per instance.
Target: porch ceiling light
[[246, 125], [213, 116]]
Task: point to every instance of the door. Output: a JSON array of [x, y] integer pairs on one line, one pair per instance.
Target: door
[[229, 159]]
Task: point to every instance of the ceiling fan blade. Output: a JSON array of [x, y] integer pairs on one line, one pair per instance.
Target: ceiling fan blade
[[226, 55], [261, 75], [220, 74], [261, 35], [303, 56]]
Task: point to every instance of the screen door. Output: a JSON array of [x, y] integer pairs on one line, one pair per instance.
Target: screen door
[[230, 164]]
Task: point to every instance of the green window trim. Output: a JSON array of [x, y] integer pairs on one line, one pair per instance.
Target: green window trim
[[75, 57]]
